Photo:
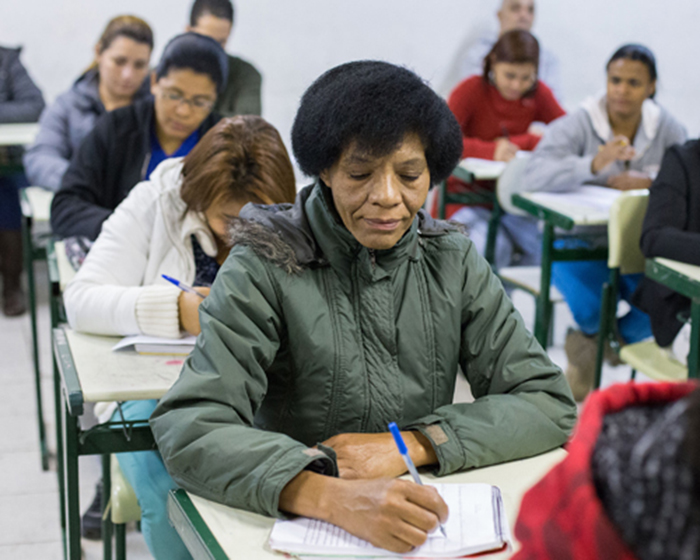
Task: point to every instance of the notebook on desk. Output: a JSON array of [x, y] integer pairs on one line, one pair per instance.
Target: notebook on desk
[[156, 345], [477, 523]]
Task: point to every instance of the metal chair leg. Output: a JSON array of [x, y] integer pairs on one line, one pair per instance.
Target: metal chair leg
[[106, 518], [120, 538]]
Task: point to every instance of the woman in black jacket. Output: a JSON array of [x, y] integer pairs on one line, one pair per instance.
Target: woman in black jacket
[[671, 230], [127, 144]]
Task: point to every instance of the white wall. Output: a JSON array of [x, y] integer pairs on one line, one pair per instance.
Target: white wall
[[293, 41]]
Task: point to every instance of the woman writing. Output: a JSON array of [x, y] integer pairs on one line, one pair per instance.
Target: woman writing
[[127, 144], [116, 78], [616, 140], [346, 311], [176, 224], [496, 112]]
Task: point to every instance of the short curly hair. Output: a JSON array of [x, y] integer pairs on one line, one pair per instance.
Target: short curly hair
[[374, 104]]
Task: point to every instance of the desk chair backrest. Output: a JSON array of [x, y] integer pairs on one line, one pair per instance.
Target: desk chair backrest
[[625, 230], [511, 182]]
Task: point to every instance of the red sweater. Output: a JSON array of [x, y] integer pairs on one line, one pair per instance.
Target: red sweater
[[562, 516], [483, 115]]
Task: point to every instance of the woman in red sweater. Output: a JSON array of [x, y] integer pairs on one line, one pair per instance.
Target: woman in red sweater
[[496, 112]]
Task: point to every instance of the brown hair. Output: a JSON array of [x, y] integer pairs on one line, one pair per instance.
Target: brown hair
[[124, 26], [517, 47], [242, 158]]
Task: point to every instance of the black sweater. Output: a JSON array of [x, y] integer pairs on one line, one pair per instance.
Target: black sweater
[[111, 160], [671, 230]]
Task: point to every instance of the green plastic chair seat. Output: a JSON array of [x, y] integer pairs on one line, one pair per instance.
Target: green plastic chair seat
[[123, 503], [653, 361]]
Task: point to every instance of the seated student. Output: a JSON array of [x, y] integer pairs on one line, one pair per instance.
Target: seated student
[[513, 14], [127, 144], [174, 224], [496, 111], [351, 309], [672, 230], [116, 78], [615, 141], [628, 488], [241, 95], [20, 101]]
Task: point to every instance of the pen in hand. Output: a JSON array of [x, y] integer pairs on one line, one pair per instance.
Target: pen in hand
[[183, 287], [403, 450]]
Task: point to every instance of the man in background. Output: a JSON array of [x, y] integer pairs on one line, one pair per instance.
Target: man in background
[[513, 14], [241, 95]]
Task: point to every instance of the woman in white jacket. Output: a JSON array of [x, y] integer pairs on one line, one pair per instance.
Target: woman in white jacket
[[176, 223], [170, 224]]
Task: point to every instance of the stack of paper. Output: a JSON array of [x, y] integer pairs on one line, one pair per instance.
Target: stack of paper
[[155, 345], [477, 523]]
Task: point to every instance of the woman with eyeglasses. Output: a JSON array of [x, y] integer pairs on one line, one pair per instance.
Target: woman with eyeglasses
[[496, 112], [127, 144]]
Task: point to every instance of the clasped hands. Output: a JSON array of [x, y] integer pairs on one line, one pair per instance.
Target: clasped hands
[[367, 500]]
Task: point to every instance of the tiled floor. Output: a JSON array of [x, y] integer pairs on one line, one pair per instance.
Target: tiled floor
[[29, 514]]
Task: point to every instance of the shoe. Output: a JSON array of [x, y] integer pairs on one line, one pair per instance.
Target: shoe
[[581, 354], [91, 526], [14, 302]]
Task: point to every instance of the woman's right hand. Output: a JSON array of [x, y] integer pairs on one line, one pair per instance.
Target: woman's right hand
[[188, 307], [617, 149], [393, 514], [505, 150]]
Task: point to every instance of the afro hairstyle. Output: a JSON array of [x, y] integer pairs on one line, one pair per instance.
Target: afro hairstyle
[[375, 105]]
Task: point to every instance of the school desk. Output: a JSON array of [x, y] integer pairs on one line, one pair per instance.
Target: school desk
[[214, 531]]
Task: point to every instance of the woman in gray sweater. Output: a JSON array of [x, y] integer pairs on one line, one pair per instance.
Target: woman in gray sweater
[[615, 141], [116, 78]]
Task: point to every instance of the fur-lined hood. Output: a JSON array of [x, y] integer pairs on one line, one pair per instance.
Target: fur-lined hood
[[281, 233]]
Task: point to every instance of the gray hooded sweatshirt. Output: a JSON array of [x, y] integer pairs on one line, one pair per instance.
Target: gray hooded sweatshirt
[[562, 159], [63, 126]]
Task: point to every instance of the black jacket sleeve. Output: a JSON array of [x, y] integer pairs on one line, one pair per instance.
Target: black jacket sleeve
[[79, 207], [664, 233]]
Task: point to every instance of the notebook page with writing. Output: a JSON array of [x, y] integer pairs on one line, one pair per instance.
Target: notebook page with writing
[[476, 524]]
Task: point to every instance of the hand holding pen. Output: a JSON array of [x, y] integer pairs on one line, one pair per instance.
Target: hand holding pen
[[188, 305], [403, 450], [617, 149]]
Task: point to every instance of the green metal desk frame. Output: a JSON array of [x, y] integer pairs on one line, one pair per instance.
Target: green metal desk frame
[[194, 532], [34, 249], [103, 439], [689, 288], [550, 254], [478, 197]]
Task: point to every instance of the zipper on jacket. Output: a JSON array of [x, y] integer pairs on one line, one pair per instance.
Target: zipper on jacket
[[373, 258]]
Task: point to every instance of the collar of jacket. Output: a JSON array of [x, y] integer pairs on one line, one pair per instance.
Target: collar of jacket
[[596, 108], [313, 230]]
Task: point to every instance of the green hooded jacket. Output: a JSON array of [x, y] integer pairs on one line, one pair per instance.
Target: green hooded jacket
[[307, 334]]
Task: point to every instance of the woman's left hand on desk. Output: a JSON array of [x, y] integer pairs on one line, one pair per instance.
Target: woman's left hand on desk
[[629, 180], [376, 456]]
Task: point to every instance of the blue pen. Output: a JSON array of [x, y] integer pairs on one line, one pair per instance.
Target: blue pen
[[394, 429], [183, 287]]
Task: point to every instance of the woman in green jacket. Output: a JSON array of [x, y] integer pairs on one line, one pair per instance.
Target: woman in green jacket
[[351, 309]]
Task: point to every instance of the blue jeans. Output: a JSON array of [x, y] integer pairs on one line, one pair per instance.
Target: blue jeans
[[146, 473], [581, 284], [518, 242], [10, 212]]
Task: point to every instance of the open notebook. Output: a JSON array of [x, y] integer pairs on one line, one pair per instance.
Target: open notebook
[[477, 523], [155, 345]]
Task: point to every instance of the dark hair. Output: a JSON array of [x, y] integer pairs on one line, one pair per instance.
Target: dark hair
[[634, 51], [222, 9], [374, 104], [196, 52], [242, 158], [517, 47], [132, 27]]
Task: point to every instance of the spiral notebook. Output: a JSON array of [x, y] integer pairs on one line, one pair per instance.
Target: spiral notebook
[[477, 523]]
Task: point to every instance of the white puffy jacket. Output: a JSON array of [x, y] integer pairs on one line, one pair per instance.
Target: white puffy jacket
[[118, 289]]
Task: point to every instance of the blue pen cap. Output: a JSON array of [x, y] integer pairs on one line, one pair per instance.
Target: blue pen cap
[[394, 429]]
